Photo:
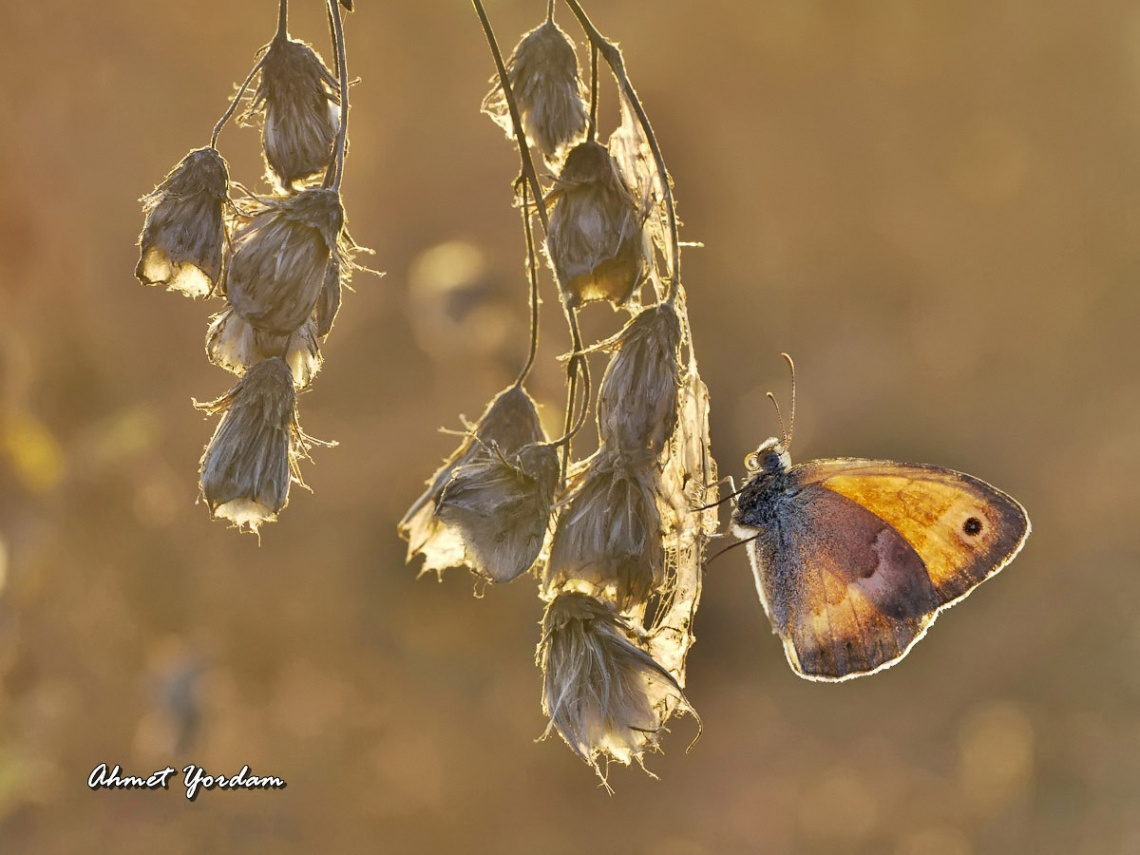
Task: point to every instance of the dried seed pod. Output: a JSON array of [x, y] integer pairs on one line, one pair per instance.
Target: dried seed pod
[[609, 535], [234, 344], [543, 74], [500, 508], [252, 457], [604, 695], [181, 242], [280, 260], [509, 423], [595, 243], [298, 97], [637, 401]]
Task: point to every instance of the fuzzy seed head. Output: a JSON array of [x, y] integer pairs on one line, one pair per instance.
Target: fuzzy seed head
[[182, 239], [543, 74], [608, 538], [500, 508], [299, 100], [281, 258], [234, 344], [595, 243], [637, 402], [247, 467], [509, 423], [604, 695]]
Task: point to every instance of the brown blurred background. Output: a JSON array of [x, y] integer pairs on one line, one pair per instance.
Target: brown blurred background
[[934, 207]]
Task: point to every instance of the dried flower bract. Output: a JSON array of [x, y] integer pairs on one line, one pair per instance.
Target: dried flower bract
[[608, 539], [280, 260], [543, 75], [252, 457], [182, 240], [509, 423], [603, 693], [234, 344], [500, 508], [297, 96], [594, 243], [637, 402]]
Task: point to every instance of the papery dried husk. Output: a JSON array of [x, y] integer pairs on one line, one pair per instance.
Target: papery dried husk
[[608, 537], [300, 102], [279, 261], [236, 345], [594, 243], [252, 457], [184, 234], [637, 400], [500, 507], [509, 422], [551, 98], [604, 695]]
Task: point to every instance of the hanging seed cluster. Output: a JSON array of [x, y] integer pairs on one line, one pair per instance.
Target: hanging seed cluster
[[279, 261], [615, 541]]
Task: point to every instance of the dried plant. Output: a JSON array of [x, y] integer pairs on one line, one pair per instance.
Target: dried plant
[[616, 540], [280, 260]]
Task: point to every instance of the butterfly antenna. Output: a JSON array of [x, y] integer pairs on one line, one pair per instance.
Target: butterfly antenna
[[779, 415], [792, 417]]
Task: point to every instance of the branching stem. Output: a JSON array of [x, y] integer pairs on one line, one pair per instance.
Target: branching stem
[[614, 59]]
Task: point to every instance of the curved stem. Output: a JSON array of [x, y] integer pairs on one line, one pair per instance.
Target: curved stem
[[236, 100], [335, 173], [577, 360], [614, 59], [532, 269], [516, 122]]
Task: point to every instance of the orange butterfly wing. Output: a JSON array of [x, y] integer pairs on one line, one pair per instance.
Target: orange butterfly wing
[[962, 528]]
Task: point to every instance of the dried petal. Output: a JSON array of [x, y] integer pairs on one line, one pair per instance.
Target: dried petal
[[328, 302], [609, 536], [637, 402], [595, 243], [181, 242], [509, 423], [500, 508], [543, 74], [236, 345], [252, 457], [606, 696], [300, 102], [280, 260]]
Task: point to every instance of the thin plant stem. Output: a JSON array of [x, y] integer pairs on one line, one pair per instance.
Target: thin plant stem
[[234, 103], [516, 121], [613, 58], [335, 173], [593, 131], [550, 10], [532, 270], [283, 20], [577, 360]]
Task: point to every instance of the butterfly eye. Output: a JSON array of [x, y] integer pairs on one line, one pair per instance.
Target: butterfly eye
[[752, 462]]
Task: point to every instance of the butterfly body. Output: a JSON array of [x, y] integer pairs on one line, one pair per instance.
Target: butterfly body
[[854, 559]]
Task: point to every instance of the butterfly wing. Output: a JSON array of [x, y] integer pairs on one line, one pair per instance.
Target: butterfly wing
[[859, 556], [963, 529]]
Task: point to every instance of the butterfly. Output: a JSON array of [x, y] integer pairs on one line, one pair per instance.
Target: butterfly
[[854, 559]]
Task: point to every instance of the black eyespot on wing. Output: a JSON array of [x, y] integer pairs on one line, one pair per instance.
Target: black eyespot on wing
[[972, 526]]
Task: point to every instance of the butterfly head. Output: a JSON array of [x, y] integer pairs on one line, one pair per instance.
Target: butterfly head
[[770, 458]]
